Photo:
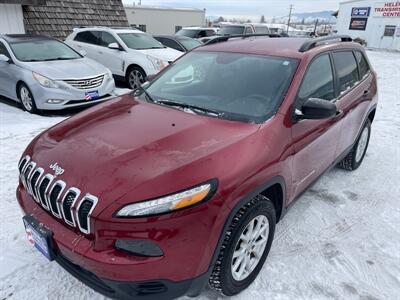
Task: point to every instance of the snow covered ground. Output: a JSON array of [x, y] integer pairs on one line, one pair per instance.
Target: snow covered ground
[[341, 240]]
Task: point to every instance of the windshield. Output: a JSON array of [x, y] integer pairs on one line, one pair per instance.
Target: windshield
[[192, 33], [240, 87], [140, 41], [229, 30], [189, 44], [43, 50]]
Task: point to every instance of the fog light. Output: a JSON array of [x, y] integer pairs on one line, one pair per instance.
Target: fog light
[[139, 247], [55, 101]]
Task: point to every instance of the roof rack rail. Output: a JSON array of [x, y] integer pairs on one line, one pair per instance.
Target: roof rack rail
[[243, 36], [312, 43]]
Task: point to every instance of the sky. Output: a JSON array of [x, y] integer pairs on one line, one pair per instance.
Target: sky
[[251, 8]]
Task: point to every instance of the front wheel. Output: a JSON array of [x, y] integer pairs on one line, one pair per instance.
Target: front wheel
[[135, 77], [245, 248], [355, 157], [26, 98]]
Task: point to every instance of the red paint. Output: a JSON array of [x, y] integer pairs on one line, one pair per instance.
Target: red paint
[[126, 150]]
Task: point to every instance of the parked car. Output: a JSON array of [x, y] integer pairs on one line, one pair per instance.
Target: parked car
[[197, 32], [179, 184], [178, 42], [43, 73], [130, 54], [239, 29]]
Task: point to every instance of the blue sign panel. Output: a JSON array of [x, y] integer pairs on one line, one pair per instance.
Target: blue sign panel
[[360, 11]]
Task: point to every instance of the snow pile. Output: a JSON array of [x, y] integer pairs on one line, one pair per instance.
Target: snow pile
[[341, 240]]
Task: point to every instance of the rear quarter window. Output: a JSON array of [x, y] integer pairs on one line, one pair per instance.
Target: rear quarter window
[[363, 65], [346, 68]]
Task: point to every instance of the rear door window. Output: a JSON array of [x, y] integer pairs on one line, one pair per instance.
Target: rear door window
[[346, 68], [362, 64], [318, 81], [89, 37], [3, 50]]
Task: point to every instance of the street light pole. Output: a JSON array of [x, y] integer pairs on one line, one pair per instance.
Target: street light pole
[[290, 15]]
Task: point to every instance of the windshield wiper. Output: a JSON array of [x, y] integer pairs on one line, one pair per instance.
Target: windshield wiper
[[146, 93], [193, 108]]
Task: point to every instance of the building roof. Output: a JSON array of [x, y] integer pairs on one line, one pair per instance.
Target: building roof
[[57, 18], [153, 7]]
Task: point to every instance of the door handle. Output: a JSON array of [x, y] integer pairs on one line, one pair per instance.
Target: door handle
[[339, 115], [366, 93]]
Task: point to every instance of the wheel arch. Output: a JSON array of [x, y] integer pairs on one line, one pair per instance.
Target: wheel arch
[[134, 65], [371, 114]]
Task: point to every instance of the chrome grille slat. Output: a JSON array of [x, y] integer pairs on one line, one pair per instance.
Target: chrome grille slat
[[51, 195], [87, 83]]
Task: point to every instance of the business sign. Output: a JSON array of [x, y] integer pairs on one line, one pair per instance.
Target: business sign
[[358, 23], [387, 9], [360, 11]]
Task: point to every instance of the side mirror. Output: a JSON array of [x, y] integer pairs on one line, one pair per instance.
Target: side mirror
[[83, 53], [4, 58], [114, 46], [315, 109]]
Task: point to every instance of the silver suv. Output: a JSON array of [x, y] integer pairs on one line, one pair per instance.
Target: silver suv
[[44, 73]]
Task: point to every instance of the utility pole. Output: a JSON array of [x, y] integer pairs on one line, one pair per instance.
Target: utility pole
[[290, 15]]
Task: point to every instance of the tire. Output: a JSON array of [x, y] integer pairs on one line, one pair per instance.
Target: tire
[[356, 156], [135, 75], [224, 278], [26, 98]]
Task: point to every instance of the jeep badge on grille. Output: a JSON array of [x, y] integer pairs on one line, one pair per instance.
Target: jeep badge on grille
[[57, 169]]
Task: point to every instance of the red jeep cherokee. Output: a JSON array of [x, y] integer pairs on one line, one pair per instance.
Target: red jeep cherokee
[[181, 183]]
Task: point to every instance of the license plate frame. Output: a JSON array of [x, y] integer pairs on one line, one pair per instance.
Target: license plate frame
[[39, 237], [93, 95]]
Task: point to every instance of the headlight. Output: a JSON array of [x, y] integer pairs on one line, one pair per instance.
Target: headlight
[[44, 81], [157, 63], [169, 203]]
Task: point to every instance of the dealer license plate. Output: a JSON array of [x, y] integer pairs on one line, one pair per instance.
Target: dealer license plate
[[39, 236], [92, 95]]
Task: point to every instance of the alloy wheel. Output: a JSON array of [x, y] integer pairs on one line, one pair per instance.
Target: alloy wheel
[[135, 79], [362, 144], [250, 248], [26, 98]]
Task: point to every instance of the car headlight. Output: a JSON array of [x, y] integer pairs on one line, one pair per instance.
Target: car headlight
[[170, 203], [44, 81], [157, 63]]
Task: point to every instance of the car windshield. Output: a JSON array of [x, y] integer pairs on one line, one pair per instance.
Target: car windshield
[[140, 41], [242, 87], [228, 30], [192, 33], [189, 44], [43, 50]]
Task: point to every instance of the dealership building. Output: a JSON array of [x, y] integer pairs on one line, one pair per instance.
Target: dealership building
[[163, 20], [377, 22]]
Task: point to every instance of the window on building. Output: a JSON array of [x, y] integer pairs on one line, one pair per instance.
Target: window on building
[[177, 28], [318, 82], [346, 68], [362, 64], [389, 30]]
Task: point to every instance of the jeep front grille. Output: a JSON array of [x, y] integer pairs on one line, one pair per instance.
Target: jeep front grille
[[54, 196], [86, 83]]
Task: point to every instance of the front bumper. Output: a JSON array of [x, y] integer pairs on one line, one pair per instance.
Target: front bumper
[[146, 290], [67, 97]]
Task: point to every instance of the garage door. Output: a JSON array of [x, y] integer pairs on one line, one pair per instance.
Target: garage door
[[11, 19]]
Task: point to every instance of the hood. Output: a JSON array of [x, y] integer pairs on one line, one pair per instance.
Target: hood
[[165, 54], [124, 145], [67, 69]]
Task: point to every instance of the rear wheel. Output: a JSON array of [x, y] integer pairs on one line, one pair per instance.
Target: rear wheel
[[135, 77], [26, 98], [245, 248], [355, 157]]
